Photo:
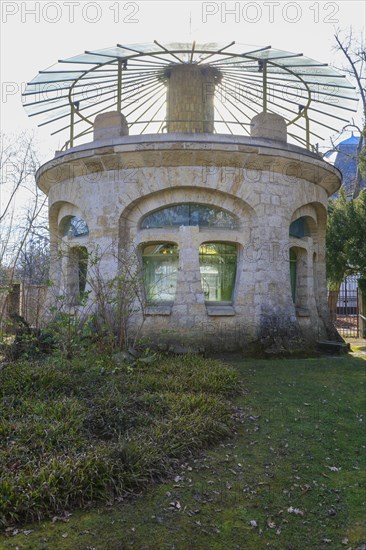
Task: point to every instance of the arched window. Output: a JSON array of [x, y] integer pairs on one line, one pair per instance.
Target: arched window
[[160, 262], [293, 273], [299, 228], [190, 214], [218, 271], [72, 226]]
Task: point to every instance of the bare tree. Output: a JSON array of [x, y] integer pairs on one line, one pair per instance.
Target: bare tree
[[22, 205], [354, 50], [34, 260]]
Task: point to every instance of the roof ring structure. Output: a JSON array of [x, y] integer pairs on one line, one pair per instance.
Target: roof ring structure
[[312, 97]]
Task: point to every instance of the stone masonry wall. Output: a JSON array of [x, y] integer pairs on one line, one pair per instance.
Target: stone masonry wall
[[190, 98], [262, 185]]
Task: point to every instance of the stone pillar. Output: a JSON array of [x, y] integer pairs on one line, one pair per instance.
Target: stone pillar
[[110, 125], [189, 304], [190, 98], [269, 126]]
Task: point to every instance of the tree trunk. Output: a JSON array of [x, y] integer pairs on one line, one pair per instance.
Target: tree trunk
[[332, 304], [362, 306]]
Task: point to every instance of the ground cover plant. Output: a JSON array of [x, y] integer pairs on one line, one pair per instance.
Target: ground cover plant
[[291, 477], [92, 429]]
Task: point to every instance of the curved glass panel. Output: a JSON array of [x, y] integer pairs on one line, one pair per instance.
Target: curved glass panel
[[313, 86], [72, 226], [218, 271], [160, 262], [190, 214], [299, 228]]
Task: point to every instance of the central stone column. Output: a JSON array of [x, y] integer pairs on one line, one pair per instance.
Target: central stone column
[[190, 98]]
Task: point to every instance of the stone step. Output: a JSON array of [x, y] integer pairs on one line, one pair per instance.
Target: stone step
[[330, 346]]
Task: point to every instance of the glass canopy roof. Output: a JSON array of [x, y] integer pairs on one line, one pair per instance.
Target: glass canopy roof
[[312, 97]]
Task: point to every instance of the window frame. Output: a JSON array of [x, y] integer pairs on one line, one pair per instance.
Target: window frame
[[156, 303], [65, 227], [212, 303]]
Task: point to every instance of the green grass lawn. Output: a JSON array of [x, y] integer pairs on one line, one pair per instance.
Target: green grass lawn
[[290, 477]]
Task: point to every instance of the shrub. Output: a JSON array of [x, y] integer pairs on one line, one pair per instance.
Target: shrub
[[86, 430]]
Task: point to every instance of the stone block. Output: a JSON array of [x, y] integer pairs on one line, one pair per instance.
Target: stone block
[[110, 125], [158, 310], [220, 311], [269, 126]]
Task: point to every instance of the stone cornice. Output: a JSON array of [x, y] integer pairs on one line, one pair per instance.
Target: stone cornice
[[212, 150]]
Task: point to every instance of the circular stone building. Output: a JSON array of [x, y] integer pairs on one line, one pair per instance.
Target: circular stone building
[[201, 167]]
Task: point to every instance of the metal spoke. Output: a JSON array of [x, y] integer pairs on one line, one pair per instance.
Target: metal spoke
[[232, 56], [276, 82], [247, 58], [271, 111], [216, 53], [153, 115], [170, 53], [152, 54], [297, 88], [135, 78], [297, 104]]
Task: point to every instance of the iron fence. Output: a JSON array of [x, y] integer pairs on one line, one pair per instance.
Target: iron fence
[[347, 312]]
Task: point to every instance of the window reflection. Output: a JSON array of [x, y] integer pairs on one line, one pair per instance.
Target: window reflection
[[190, 214], [160, 262], [218, 271], [299, 228], [72, 226]]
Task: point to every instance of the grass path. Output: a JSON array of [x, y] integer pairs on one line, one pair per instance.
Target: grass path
[[292, 476]]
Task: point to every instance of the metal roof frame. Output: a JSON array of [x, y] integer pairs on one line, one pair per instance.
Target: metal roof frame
[[142, 67]]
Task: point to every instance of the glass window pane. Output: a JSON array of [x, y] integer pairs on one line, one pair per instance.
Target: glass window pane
[[190, 214], [178, 215], [299, 228], [218, 271], [160, 262], [72, 226]]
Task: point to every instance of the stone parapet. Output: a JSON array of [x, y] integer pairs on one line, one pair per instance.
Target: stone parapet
[[238, 155]]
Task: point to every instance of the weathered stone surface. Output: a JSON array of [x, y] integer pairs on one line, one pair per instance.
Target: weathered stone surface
[[110, 125], [190, 98], [269, 126], [220, 311], [158, 310], [330, 346]]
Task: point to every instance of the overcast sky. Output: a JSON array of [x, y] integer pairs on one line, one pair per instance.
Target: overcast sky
[[36, 34]]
